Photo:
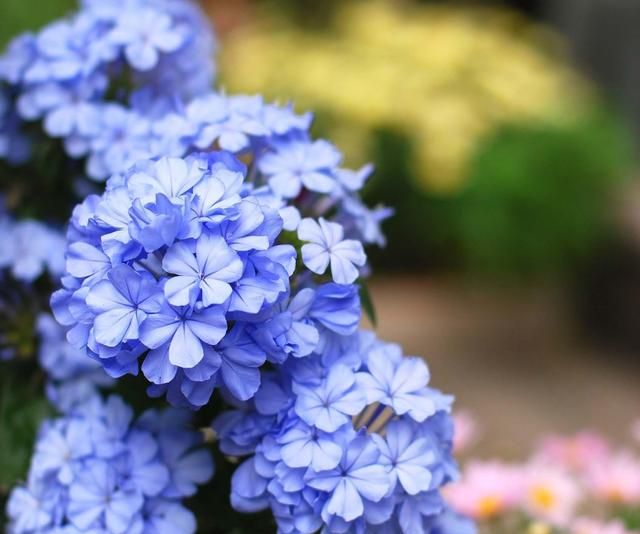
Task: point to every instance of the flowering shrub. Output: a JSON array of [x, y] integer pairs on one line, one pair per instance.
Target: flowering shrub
[[570, 485], [221, 268]]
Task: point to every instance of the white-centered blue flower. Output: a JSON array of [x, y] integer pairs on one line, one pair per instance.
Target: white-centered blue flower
[[208, 271], [145, 34], [181, 332], [294, 165], [122, 302], [332, 403], [397, 382], [325, 245], [406, 456], [359, 476]]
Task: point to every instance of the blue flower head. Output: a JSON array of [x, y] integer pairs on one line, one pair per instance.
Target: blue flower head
[[173, 252], [97, 470], [331, 452], [70, 77]]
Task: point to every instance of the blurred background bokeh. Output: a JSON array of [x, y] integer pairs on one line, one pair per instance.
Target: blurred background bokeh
[[505, 135]]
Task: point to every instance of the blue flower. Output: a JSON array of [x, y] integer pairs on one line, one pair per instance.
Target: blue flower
[[325, 245], [17, 57], [198, 251], [72, 112], [399, 383], [294, 165], [124, 137], [165, 517], [336, 308], [357, 479], [97, 470], [451, 523], [96, 498], [305, 446], [145, 34], [31, 510], [332, 403], [361, 222], [289, 332], [122, 302], [207, 273], [178, 334], [406, 457], [29, 249], [69, 72]]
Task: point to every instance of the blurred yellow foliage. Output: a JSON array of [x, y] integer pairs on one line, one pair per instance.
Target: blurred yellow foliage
[[443, 75]]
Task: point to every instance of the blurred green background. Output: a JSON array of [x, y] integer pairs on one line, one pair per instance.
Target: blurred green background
[[24, 15]]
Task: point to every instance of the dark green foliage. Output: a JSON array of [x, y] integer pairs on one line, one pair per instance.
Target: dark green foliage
[[22, 408], [17, 16], [539, 196], [367, 303], [43, 188], [630, 517], [537, 201], [414, 232]]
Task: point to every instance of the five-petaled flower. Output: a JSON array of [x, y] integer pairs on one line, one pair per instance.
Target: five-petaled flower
[[325, 244]]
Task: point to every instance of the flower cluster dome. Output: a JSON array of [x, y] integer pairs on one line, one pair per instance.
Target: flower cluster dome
[[347, 440], [98, 78], [98, 470], [184, 265]]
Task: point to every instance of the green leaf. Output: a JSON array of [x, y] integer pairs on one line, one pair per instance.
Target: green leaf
[[22, 409], [367, 303]]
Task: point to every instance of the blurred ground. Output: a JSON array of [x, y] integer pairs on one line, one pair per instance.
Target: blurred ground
[[513, 358]]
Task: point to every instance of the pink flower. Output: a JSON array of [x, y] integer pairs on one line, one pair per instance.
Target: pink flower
[[591, 526], [486, 490], [550, 493], [616, 479], [466, 431], [576, 452]]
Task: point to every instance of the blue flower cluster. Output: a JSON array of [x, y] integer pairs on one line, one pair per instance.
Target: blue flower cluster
[[29, 248], [98, 79], [97, 470], [350, 439], [188, 263], [72, 378], [225, 252]]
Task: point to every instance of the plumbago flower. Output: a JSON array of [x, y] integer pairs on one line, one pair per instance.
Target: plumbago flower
[[183, 266], [321, 456], [29, 249], [98, 78], [97, 470]]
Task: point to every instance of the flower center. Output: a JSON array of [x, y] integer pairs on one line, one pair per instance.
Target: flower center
[[489, 506], [543, 497]]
